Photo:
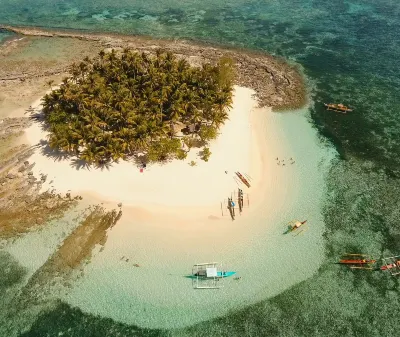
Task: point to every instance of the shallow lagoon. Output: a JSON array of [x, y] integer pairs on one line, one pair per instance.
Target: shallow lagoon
[[157, 295]]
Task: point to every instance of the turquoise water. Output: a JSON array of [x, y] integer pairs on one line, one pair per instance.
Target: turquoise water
[[350, 53], [5, 36]]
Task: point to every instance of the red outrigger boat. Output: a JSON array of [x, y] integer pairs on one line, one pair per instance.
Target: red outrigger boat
[[357, 261], [392, 264], [243, 179]]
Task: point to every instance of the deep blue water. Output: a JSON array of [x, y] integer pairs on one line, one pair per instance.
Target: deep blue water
[[350, 53]]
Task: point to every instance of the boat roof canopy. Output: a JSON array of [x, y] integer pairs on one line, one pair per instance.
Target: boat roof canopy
[[211, 272]]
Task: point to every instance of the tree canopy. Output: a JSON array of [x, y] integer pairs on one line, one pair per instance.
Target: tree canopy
[[124, 104]]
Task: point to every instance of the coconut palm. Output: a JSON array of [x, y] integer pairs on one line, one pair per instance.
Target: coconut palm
[[122, 104]]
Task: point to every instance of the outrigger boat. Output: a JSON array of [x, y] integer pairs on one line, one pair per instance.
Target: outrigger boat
[[337, 107], [357, 261], [207, 275], [243, 179], [294, 225], [392, 264]]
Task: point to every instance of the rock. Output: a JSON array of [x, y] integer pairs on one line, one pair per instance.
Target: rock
[[120, 204], [26, 163], [21, 169], [10, 176], [30, 173]]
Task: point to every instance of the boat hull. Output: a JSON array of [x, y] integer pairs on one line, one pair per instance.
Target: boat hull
[[357, 261], [220, 274]]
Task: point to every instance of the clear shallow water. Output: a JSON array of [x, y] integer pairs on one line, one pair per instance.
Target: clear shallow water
[[4, 36], [350, 54], [156, 295]]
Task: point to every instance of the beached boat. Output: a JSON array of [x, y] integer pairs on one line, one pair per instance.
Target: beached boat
[[208, 276], [243, 179], [337, 107]]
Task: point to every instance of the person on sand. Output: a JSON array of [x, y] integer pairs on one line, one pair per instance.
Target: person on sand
[[226, 172]]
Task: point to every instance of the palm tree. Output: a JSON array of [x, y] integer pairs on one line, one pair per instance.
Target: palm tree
[[50, 83], [118, 105]]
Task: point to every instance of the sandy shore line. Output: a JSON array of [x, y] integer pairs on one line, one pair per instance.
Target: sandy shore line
[[192, 189]]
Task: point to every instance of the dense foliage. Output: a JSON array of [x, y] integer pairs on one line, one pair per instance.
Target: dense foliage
[[126, 104]]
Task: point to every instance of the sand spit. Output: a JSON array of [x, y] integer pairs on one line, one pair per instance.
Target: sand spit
[[275, 82], [75, 250], [58, 270]]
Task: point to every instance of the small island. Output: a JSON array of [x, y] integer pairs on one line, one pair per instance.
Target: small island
[[135, 100], [128, 104]]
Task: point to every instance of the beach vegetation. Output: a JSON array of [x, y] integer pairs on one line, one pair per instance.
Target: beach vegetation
[[125, 104], [205, 154]]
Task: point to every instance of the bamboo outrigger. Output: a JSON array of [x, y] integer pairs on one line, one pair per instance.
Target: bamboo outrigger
[[357, 261], [337, 107]]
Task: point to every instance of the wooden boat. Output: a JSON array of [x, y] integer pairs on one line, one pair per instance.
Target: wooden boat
[[295, 225], [392, 264], [208, 275], [219, 274], [337, 107], [243, 179], [357, 261]]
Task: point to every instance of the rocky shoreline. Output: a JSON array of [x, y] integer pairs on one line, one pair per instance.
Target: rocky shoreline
[[22, 206], [277, 83]]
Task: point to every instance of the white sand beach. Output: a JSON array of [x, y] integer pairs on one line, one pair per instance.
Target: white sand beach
[[174, 184], [172, 219]]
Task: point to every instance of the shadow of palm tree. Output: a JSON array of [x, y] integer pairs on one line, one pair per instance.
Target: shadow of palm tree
[[38, 117], [105, 166], [56, 155], [80, 164]]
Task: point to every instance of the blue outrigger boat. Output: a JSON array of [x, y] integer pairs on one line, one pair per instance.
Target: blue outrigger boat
[[207, 275]]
